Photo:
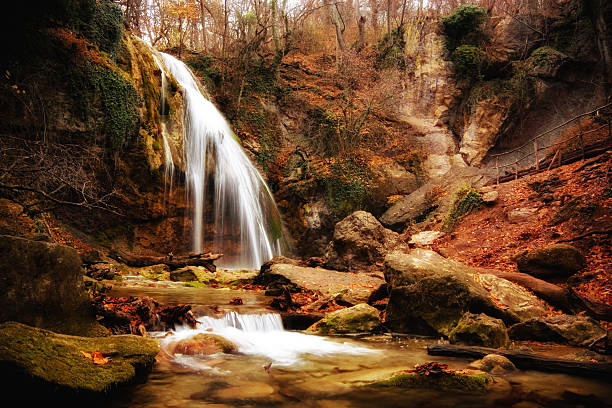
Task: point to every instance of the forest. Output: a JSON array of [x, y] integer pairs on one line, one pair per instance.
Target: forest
[[306, 203]]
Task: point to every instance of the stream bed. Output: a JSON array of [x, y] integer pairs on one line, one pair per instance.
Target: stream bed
[[280, 368]]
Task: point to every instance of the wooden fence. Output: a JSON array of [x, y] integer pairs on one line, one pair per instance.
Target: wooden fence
[[542, 161]]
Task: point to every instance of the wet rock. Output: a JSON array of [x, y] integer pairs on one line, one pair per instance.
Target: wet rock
[[361, 318], [493, 363], [469, 383], [359, 241], [479, 330], [202, 344], [564, 329], [183, 275], [37, 360], [520, 215], [554, 260]]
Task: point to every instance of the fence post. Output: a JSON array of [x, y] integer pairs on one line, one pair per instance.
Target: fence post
[[497, 169], [581, 145], [516, 168], [535, 149]]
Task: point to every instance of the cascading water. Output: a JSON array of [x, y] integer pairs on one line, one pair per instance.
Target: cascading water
[[247, 227], [263, 335]]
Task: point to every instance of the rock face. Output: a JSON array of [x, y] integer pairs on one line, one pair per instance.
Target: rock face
[[30, 355], [479, 330], [564, 329], [554, 260], [202, 344], [430, 294], [359, 241], [40, 283], [361, 318], [393, 179]]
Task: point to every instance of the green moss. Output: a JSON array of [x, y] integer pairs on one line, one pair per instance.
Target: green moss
[[346, 186], [469, 383], [470, 62], [466, 199], [205, 67], [462, 24], [58, 360]]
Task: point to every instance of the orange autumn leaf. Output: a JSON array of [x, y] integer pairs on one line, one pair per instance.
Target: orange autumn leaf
[[96, 357]]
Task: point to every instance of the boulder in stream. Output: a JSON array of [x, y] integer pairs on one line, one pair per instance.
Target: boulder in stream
[[361, 318], [564, 329], [479, 330], [202, 344], [39, 361]]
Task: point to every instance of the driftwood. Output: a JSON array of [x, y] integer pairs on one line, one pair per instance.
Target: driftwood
[[565, 299], [527, 361], [173, 262]]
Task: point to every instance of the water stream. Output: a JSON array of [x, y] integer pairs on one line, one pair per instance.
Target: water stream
[[222, 183], [280, 368]]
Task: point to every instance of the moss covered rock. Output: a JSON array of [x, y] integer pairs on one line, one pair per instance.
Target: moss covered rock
[[361, 318], [183, 275], [61, 364], [493, 363], [554, 260], [468, 383], [564, 329], [479, 330]]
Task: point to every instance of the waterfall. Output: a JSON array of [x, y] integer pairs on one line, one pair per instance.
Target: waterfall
[[263, 335], [221, 182]]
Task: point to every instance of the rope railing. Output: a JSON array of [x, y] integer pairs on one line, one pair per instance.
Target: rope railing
[[537, 148]]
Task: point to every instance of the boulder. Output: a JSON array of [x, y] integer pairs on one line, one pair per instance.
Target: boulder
[[41, 361], [102, 271], [490, 197], [393, 179], [479, 330], [407, 208], [430, 294], [359, 241], [564, 329], [493, 363], [552, 261], [520, 215], [361, 318], [425, 237], [356, 286], [183, 275], [41, 284], [202, 344]]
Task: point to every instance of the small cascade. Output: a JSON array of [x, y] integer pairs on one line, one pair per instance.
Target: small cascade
[[222, 185], [263, 335]]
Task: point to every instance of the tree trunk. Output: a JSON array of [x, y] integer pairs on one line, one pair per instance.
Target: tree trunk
[[339, 26], [173, 262], [527, 361]]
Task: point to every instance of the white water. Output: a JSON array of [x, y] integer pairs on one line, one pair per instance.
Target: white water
[[263, 335], [246, 220]]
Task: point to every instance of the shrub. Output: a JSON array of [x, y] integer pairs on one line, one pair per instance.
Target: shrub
[[466, 199], [390, 52], [470, 62], [464, 21]]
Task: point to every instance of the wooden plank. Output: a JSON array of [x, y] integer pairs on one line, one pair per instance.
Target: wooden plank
[[527, 361]]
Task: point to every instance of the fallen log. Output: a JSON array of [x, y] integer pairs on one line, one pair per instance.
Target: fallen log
[[526, 361], [174, 262], [565, 299]]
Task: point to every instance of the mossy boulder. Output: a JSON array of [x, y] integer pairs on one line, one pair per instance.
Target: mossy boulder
[[467, 383], [479, 330], [553, 261], [202, 344], [493, 363], [183, 275], [41, 284], [563, 329], [361, 318], [56, 363]]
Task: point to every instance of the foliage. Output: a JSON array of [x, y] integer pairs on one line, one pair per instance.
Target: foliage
[[470, 62], [466, 199], [203, 65], [346, 186], [390, 53], [462, 24]]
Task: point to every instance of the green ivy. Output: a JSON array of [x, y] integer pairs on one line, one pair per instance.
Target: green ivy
[[465, 22], [465, 200], [470, 62]]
